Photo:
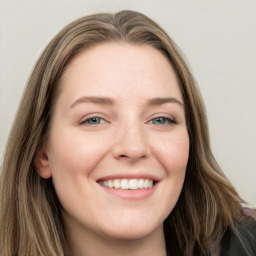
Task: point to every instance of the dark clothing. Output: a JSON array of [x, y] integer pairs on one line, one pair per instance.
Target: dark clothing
[[231, 246]]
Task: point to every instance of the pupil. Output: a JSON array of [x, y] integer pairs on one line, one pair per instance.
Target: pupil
[[94, 120], [160, 120]]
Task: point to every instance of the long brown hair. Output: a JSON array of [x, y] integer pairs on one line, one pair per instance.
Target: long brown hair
[[30, 213]]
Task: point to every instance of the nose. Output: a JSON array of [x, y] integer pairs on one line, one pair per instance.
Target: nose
[[130, 144]]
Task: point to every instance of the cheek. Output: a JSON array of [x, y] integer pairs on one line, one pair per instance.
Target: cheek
[[73, 154], [173, 153]]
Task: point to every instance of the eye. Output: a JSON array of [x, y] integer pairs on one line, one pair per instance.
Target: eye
[[161, 121], [93, 121]]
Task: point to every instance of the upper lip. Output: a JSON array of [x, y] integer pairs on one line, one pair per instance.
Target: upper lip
[[129, 176]]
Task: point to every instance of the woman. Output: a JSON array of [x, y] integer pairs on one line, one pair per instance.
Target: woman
[[109, 153]]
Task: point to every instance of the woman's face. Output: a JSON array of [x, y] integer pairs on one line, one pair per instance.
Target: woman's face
[[118, 145]]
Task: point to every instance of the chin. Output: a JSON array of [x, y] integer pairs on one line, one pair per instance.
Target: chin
[[133, 233]]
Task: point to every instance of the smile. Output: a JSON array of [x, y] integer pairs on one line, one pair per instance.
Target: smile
[[127, 184]]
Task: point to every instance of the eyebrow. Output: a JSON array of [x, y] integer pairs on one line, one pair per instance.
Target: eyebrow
[[160, 101], [96, 100], [111, 102]]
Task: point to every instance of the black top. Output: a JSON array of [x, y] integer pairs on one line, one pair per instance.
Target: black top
[[231, 244]]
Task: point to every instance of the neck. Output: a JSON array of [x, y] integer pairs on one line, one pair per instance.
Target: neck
[[90, 243]]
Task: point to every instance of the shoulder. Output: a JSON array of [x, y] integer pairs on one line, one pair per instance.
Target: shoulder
[[243, 243]]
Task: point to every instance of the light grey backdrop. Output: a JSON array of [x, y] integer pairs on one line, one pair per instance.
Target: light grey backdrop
[[217, 37]]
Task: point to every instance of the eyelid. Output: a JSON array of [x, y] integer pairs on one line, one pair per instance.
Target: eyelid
[[86, 120], [90, 116], [166, 116], [168, 121]]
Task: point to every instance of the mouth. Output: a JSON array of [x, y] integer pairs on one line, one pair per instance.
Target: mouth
[[128, 184]]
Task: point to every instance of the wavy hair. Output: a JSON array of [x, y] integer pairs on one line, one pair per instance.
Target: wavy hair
[[30, 213]]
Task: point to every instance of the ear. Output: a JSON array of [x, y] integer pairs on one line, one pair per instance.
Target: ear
[[42, 165]]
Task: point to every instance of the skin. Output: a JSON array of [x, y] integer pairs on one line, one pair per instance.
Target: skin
[[127, 140]]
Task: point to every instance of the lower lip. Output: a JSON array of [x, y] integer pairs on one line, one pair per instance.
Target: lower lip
[[130, 194]]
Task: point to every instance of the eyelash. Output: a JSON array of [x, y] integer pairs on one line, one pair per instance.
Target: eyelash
[[167, 120], [85, 122]]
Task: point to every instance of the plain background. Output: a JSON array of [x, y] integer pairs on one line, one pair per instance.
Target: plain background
[[218, 38]]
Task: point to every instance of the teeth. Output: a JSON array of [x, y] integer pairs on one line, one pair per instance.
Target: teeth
[[109, 184], [124, 184], [133, 184], [141, 183], [127, 184], [117, 184]]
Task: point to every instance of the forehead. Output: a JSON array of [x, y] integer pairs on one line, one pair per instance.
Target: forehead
[[116, 69]]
